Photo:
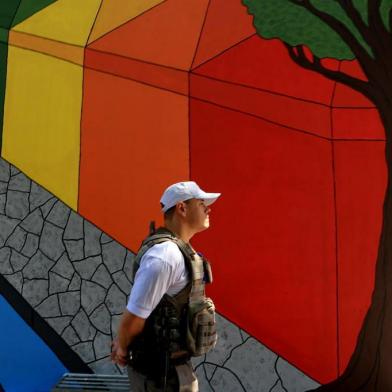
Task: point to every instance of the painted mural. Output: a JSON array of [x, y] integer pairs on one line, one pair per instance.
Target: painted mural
[[102, 108]]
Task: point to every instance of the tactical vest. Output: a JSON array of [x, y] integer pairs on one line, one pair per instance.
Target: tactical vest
[[169, 336]]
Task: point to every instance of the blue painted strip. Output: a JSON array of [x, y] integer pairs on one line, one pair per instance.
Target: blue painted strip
[[26, 363]]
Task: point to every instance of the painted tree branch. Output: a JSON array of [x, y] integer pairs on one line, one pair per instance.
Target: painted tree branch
[[352, 12], [298, 55]]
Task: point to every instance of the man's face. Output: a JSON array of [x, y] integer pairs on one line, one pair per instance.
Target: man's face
[[197, 214]]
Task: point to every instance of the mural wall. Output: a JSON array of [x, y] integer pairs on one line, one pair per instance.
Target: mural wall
[[104, 107]]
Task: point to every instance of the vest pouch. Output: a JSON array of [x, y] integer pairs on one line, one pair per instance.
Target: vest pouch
[[201, 327]]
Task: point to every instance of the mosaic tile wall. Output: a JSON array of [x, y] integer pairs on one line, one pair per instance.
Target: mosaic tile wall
[[78, 278]]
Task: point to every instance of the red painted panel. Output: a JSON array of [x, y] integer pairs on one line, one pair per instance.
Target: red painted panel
[[345, 96], [307, 116], [134, 143], [265, 64], [272, 239], [357, 123], [360, 187]]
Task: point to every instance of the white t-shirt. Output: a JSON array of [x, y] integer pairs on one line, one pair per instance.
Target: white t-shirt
[[162, 270]]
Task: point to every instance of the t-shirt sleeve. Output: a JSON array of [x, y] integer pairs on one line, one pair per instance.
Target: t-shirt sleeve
[[152, 281]]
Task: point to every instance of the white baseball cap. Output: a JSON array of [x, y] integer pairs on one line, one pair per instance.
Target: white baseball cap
[[186, 190]]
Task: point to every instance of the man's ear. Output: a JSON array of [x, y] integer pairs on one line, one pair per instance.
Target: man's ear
[[181, 208]]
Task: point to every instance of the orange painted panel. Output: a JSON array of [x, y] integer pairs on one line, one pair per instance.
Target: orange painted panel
[[134, 142], [227, 23], [360, 187], [155, 75], [273, 107], [272, 235], [167, 34]]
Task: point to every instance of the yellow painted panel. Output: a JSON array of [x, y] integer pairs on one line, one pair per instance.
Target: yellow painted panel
[[67, 21], [114, 13], [41, 133]]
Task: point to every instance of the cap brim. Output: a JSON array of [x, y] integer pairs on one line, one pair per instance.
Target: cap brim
[[209, 198]]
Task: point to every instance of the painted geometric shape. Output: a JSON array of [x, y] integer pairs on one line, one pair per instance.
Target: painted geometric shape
[[272, 234], [44, 141], [360, 186], [134, 143], [19, 342]]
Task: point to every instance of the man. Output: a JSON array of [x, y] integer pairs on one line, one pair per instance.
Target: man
[[162, 276]]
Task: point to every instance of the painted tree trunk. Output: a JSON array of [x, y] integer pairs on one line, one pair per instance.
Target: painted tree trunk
[[370, 367]]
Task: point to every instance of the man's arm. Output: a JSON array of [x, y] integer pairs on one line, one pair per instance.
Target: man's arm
[[130, 326]]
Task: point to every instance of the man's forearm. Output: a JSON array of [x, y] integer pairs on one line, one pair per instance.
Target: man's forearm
[[130, 327]]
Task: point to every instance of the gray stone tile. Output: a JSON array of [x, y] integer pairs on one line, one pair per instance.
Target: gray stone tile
[[18, 261], [102, 276], [7, 226], [16, 280], [101, 319], [38, 196], [69, 303], [17, 239], [33, 223], [31, 245], [122, 282], [113, 256], [92, 245], [82, 326], [228, 338], [75, 249], [3, 200], [87, 267], [4, 170], [5, 264], [252, 362], [69, 335], [115, 324], [105, 238], [76, 283], [51, 241], [49, 307], [59, 323], [17, 205], [47, 207], [102, 344], [59, 214], [38, 267], [57, 284], [35, 291], [85, 351], [92, 294], [14, 170], [64, 267], [19, 182], [104, 366], [74, 229], [225, 380], [294, 380], [116, 300], [204, 385], [3, 187]]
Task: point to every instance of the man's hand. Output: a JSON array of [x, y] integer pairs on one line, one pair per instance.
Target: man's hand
[[130, 326], [119, 355]]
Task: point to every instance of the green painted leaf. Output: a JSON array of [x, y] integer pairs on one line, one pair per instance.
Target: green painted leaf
[[295, 25]]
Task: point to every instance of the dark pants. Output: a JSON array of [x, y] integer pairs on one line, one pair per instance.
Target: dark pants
[[140, 383]]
